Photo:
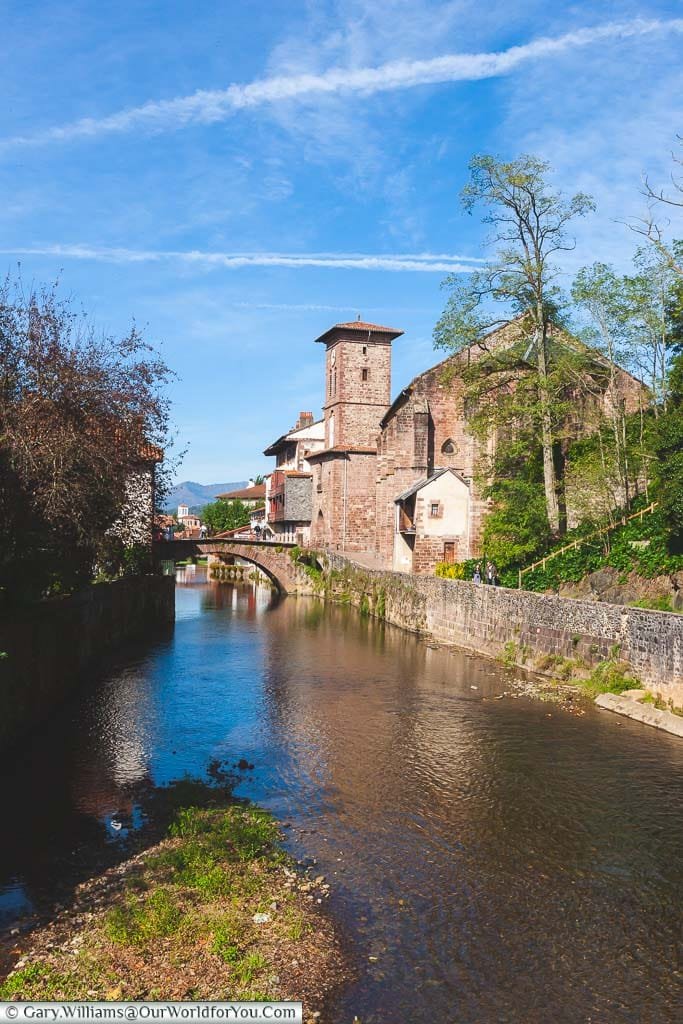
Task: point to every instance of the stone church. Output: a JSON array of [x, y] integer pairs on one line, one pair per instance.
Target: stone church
[[396, 479]]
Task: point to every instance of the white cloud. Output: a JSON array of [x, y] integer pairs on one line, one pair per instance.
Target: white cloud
[[212, 106], [427, 262]]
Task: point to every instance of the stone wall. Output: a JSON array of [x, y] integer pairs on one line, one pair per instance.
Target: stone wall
[[134, 525], [485, 619], [344, 501], [298, 499], [52, 647]]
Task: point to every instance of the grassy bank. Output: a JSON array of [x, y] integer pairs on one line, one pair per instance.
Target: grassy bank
[[216, 910]]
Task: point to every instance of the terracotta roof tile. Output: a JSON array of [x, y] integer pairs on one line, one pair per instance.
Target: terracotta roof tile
[[362, 326], [353, 449], [245, 494]]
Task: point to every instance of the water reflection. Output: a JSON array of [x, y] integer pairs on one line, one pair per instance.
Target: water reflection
[[498, 860]]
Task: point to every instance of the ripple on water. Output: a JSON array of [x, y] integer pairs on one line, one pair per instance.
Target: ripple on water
[[497, 861]]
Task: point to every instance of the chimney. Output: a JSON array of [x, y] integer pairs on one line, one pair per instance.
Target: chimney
[[305, 420], [251, 484]]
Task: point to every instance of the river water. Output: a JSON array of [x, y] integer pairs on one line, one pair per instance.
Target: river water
[[491, 860]]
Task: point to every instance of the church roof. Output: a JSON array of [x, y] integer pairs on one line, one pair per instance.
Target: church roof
[[363, 327]]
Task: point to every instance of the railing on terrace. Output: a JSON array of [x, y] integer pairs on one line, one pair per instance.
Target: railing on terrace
[[584, 540]]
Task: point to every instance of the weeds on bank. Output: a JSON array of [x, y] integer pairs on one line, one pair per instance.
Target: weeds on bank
[[36, 980], [194, 900], [135, 923], [610, 676], [660, 703]]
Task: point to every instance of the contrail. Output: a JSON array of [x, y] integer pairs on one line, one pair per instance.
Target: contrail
[[207, 107], [425, 262]]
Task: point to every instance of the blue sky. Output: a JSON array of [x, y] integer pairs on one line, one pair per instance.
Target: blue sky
[[145, 147]]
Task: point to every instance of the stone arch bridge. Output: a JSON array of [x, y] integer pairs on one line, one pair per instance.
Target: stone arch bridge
[[275, 560]]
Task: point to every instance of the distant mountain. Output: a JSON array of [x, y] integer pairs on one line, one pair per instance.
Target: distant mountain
[[197, 495]]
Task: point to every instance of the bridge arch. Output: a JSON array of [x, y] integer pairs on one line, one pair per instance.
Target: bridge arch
[[274, 560]]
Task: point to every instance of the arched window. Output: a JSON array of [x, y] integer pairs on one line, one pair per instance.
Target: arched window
[[448, 447]]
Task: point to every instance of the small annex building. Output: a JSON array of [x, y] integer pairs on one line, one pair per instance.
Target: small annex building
[[432, 520]]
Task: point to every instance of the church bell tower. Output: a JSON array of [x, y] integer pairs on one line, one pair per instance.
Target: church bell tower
[[357, 382]]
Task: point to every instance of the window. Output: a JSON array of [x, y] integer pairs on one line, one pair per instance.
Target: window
[[364, 374], [365, 350], [435, 510], [448, 447]]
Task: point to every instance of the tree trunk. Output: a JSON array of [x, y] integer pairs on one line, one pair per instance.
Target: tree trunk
[[549, 477]]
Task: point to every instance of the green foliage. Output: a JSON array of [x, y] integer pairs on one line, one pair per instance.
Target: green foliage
[[524, 384], [510, 654], [660, 703], [656, 604], [668, 448], [246, 969], [308, 561], [611, 676], [516, 529], [227, 939], [622, 549], [116, 559], [22, 982], [247, 832], [223, 515], [136, 924]]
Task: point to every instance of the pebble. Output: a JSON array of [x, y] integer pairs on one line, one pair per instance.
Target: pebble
[[261, 918]]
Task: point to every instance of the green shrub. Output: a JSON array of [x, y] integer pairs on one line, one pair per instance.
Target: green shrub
[[620, 549], [611, 676]]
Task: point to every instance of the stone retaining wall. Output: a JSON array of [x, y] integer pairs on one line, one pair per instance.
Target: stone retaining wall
[[51, 647], [485, 619]]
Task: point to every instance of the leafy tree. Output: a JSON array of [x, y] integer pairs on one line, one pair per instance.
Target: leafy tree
[[661, 202], [530, 223], [516, 529], [599, 292], [78, 411], [223, 515], [650, 298], [668, 447]]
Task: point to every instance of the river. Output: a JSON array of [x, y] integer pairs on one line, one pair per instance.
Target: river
[[492, 860]]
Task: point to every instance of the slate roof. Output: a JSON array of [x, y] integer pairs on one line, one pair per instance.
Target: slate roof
[[426, 480]]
